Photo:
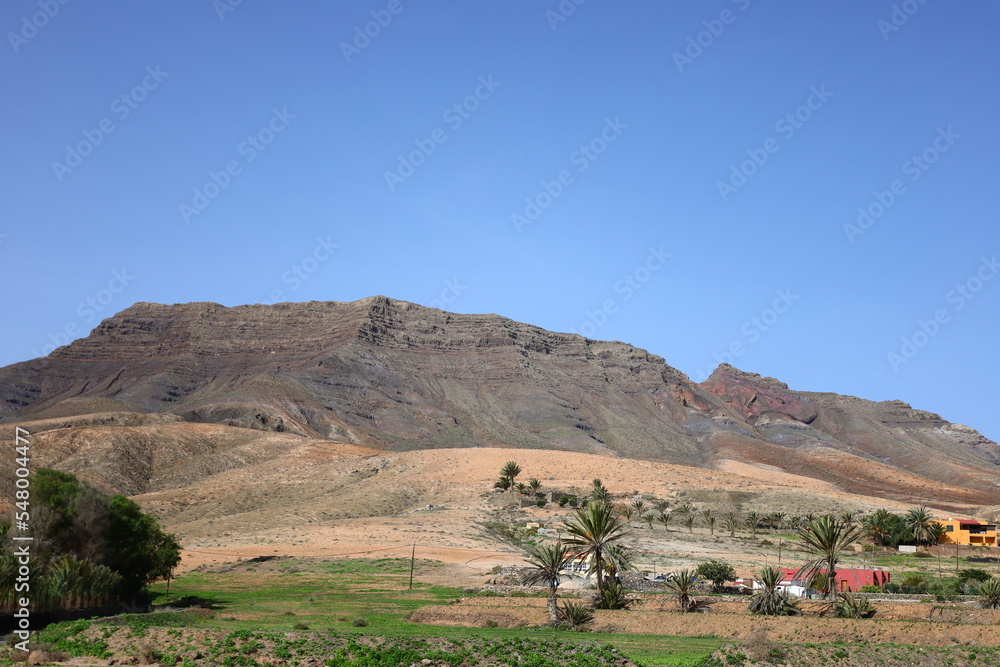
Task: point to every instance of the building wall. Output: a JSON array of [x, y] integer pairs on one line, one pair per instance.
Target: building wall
[[960, 534]]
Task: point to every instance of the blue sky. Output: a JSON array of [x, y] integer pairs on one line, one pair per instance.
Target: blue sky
[[807, 190]]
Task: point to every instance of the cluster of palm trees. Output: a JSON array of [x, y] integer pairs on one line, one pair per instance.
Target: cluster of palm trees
[[594, 535], [60, 582], [508, 477]]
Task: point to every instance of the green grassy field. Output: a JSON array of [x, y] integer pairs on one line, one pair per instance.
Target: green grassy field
[[372, 597]]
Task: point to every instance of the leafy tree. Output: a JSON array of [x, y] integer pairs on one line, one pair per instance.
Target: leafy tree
[[137, 548], [716, 571], [768, 600], [596, 528], [510, 470], [91, 546], [682, 584], [548, 561], [826, 538]]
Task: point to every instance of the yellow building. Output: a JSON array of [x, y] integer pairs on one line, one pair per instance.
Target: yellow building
[[963, 531]]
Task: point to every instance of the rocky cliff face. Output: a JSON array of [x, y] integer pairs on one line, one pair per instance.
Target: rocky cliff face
[[394, 375]]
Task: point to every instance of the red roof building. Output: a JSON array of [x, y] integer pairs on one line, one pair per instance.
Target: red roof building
[[848, 580]]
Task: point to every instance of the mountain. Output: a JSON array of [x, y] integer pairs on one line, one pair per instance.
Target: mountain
[[162, 393]]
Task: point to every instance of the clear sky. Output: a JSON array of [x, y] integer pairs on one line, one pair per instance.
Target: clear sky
[[805, 189]]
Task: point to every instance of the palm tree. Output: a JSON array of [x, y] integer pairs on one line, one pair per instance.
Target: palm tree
[[709, 521], [534, 485], [661, 505], [682, 583], [548, 562], [521, 487], [665, 520], [625, 513], [600, 493], [753, 521], [639, 505], [876, 525], [684, 509], [768, 600], [510, 470], [596, 528], [777, 520], [650, 518], [503, 483], [688, 522], [731, 522], [919, 521], [827, 538]]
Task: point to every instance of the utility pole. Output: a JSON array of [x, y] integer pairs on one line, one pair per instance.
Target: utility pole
[[413, 554]]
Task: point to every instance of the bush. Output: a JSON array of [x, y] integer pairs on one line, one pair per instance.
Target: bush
[[923, 554], [300, 626], [848, 606], [613, 597], [973, 574], [576, 616], [870, 588], [359, 622], [563, 501], [540, 502]]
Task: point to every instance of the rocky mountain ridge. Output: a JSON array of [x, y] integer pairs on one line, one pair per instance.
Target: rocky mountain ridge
[[391, 375]]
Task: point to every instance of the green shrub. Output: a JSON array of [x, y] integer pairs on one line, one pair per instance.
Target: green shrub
[[923, 554]]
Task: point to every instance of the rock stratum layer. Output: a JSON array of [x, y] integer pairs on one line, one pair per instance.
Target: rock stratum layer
[[164, 395]]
